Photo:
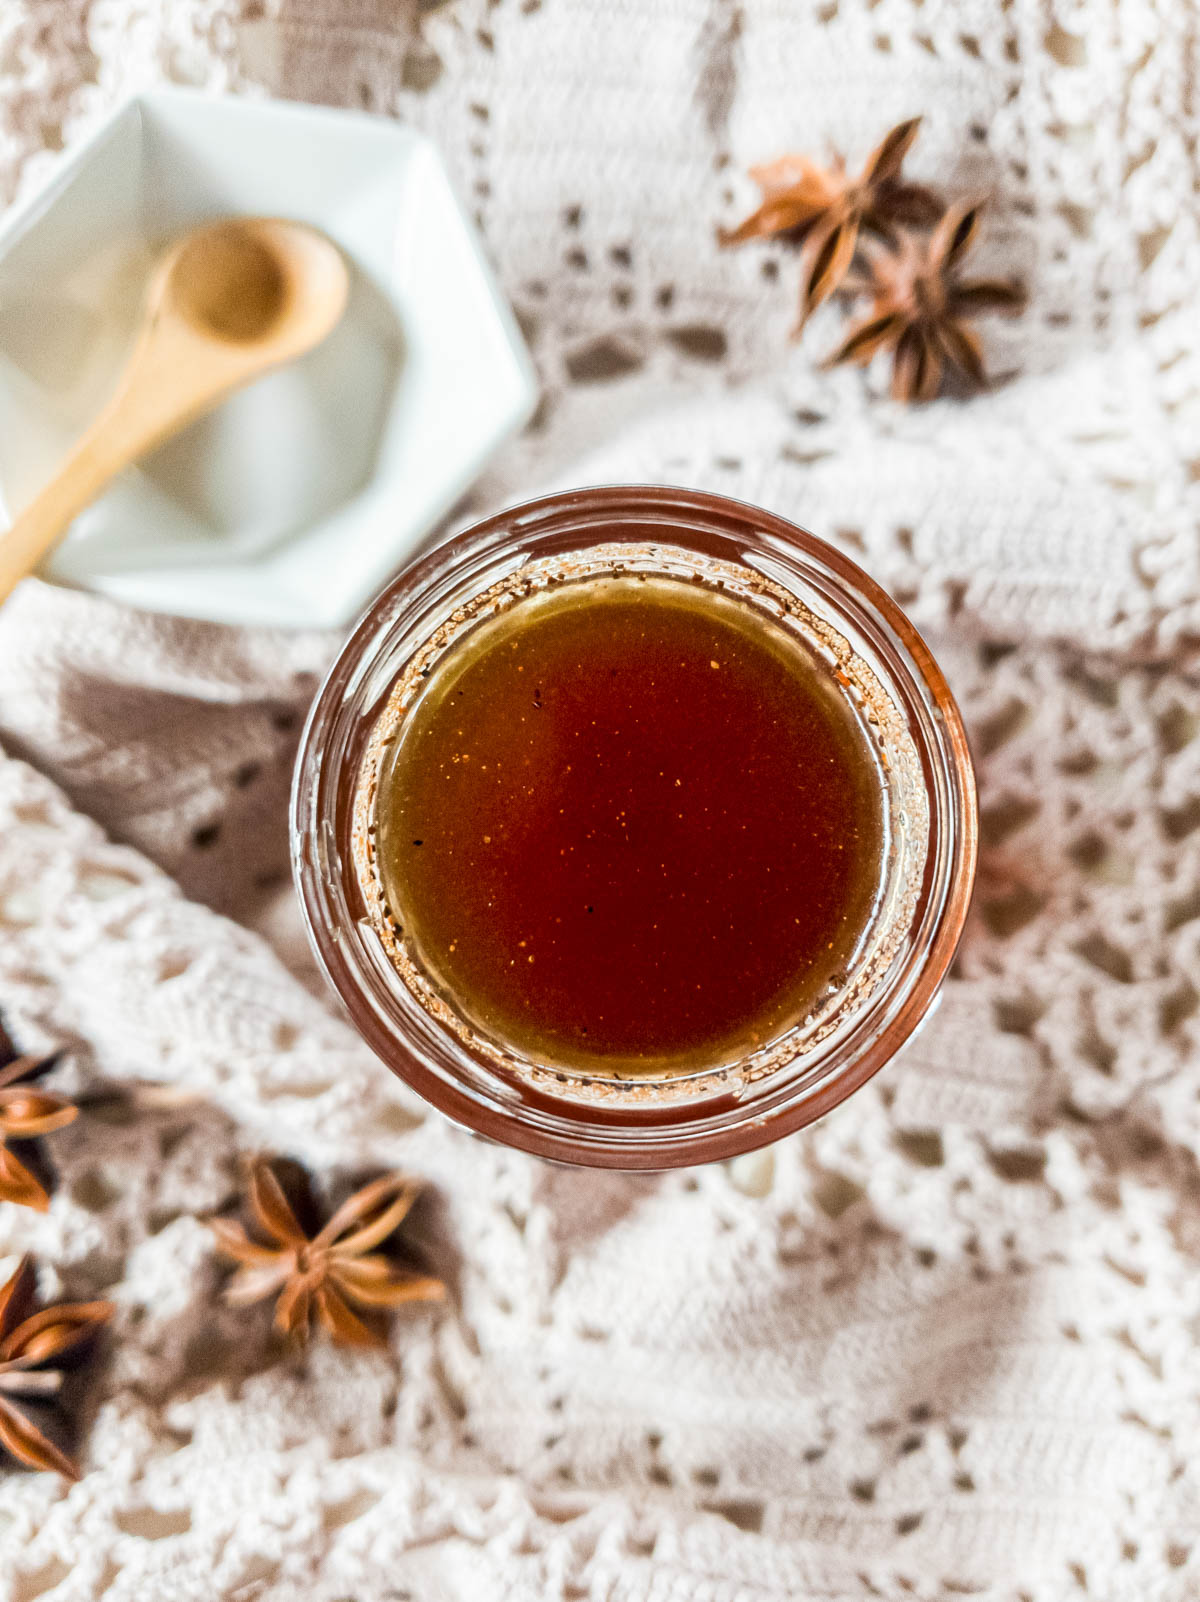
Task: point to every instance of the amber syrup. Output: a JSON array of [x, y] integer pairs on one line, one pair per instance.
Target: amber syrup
[[632, 826]]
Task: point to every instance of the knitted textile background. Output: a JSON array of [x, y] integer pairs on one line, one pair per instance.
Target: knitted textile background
[[945, 1342]]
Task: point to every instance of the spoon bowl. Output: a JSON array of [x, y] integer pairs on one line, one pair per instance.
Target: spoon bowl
[[260, 281]]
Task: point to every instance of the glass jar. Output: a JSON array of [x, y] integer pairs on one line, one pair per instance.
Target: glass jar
[[929, 803]]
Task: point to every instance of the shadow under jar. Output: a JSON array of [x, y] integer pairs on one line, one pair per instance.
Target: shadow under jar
[[634, 827]]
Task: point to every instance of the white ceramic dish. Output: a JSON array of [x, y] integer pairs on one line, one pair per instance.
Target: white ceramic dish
[[295, 501]]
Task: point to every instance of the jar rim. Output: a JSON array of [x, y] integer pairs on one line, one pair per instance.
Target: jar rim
[[435, 1064]]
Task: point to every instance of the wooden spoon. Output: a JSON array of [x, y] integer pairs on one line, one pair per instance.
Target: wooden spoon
[[227, 303]]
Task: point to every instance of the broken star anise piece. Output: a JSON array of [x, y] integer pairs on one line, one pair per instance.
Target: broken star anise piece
[[921, 307], [827, 208], [319, 1275], [25, 1114], [37, 1347]]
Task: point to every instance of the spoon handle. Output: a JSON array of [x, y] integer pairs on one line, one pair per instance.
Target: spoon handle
[[150, 404], [42, 524]]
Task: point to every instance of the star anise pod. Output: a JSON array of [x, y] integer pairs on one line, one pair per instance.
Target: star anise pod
[[37, 1347], [827, 208], [318, 1275], [921, 307], [25, 1114]]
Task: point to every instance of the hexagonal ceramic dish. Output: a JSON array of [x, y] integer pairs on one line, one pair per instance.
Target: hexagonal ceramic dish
[[293, 502]]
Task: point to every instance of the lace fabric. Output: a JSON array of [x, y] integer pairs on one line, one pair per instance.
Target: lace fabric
[[943, 1343]]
